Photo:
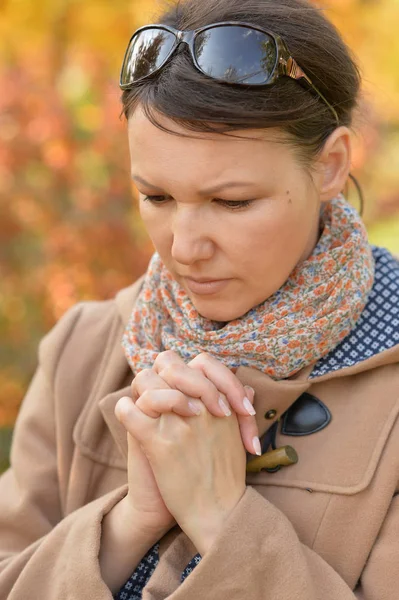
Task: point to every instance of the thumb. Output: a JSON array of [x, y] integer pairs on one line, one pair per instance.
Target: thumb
[[138, 424]]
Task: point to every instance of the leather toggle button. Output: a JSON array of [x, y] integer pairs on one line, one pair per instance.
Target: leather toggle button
[[284, 456], [270, 414], [306, 416]]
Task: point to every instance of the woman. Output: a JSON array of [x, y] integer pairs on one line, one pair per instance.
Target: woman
[[265, 324]]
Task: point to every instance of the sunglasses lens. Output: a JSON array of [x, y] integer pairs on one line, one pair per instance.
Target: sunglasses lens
[[147, 51], [236, 54]]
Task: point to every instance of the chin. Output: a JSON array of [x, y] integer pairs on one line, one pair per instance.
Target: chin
[[219, 314]]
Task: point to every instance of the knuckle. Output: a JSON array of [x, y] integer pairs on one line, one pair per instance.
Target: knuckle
[[146, 373], [165, 356], [170, 371], [141, 375], [202, 358], [140, 403], [139, 381], [168, 353], [144, 398], [149, 404], [163, 400]]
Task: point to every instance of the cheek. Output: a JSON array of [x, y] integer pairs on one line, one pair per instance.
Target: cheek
[[156, 224], [147, 215], [260, 234], [272, 243]]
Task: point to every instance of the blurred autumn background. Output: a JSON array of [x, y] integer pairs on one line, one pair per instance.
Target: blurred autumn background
[[69, 230]]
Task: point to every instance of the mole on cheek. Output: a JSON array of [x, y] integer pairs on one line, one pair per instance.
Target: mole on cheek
[[289, 199]]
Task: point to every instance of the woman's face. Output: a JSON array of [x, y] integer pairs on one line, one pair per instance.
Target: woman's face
[[251, 232]]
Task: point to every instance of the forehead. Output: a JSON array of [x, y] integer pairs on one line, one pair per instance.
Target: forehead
[[154, 151]]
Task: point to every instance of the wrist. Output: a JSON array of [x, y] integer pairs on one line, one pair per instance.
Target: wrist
[[137, 522], [204, 532], [124, 541], [203, 529]]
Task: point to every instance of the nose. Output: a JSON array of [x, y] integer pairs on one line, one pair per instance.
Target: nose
[[191, 235]]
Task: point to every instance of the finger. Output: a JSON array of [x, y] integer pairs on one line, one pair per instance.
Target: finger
[[249, 433], [156, 402], [147, 379], [138, 424], [165, 359], [249, 428], [194, 383], [225, 381]]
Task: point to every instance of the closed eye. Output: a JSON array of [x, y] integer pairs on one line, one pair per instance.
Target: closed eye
[[231, 204]]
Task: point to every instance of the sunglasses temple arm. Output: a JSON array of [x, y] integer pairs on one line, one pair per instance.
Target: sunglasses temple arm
[[334, 112], [292, 69]]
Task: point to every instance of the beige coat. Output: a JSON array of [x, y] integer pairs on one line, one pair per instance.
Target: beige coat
[[326, 528]]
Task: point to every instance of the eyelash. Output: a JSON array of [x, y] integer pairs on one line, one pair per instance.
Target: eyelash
[[231, 204]]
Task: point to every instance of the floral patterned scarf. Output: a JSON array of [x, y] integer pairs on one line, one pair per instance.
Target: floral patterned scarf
[[303, 321]]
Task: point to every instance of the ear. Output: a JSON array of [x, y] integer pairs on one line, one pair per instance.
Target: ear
[[333, 164]]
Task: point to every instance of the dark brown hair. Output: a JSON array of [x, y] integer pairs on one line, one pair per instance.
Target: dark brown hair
[[201, 104]]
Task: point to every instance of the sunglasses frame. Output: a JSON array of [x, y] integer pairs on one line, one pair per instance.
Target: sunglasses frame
[[285, 62]]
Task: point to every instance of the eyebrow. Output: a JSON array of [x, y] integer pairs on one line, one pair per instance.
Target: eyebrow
[[204, 191]]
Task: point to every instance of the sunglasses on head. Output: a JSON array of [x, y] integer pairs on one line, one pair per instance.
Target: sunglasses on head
[[231, 52]]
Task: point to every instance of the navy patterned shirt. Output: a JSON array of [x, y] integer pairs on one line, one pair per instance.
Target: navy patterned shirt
[[377, 330]]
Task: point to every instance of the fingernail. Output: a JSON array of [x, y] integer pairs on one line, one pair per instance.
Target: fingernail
[[194, 408], [224, 406], [251, 392], [256, 445], [248, 406]]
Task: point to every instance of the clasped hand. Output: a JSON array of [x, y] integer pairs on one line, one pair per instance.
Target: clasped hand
[[186, 447]]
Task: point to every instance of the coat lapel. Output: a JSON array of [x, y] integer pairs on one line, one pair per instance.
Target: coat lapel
[[271, 395], [118, 431]]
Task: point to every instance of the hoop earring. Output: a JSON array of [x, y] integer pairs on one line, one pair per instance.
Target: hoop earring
[[359, 192]]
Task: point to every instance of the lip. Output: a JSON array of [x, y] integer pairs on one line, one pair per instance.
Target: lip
[[201, 279], [204, 287]]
